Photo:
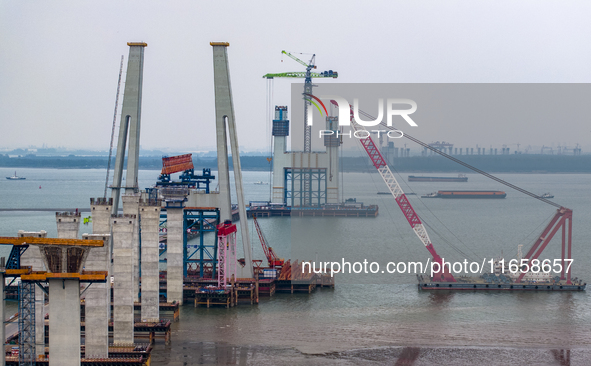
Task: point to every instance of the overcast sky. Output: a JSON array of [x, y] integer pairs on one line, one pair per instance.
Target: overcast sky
[[59, 60]]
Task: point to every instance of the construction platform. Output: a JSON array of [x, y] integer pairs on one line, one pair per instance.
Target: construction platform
[[325, 211], [138, 354], [141, 361], [166, 308], [151, 331], [204, 291]]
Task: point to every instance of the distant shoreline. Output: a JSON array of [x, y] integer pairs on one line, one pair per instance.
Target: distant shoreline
[[535, 164]]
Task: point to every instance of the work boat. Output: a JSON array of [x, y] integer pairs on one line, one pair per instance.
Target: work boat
[[15, 177]]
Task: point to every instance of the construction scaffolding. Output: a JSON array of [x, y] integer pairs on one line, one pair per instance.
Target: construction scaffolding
[[26, 323], [304, 187], [197, 222]]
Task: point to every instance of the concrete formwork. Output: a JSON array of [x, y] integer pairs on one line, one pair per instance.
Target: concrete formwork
[[68, 224], [150, 215], [131, 206], [224, 111], [32, 257], [64, 322], [174, 255], [123, 226], [98, 297], [130, 124]]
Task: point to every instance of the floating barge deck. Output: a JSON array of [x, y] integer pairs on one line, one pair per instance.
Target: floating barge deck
[[459, 178], [479, 284], [467, 194]]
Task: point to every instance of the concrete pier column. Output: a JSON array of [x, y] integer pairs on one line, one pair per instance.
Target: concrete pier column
[[131, 204], [123, 226], [98, 296], [68, 224], [64, 322], [97, 300], [150, 216], [32, 257], [174, 255]]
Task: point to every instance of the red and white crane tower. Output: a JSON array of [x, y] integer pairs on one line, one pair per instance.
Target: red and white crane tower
[[226, 252], [443, 275]]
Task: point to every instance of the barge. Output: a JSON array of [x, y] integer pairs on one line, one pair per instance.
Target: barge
[[459, 178], [466, 194], [469, 283]]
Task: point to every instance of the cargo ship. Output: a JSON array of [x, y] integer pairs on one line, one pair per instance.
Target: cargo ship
[[459, 178], [466, 194]]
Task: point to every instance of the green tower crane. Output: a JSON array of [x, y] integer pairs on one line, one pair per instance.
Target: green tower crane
[[307, 75]]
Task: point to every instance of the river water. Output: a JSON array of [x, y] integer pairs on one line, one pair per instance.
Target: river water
[[371, 319]]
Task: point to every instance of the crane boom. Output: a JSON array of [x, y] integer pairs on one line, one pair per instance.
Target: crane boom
[[269, 252], [413, 219], [302, 75], [300, 61]]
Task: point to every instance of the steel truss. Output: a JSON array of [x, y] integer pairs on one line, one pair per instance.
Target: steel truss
[[305, 187], [26, 323]]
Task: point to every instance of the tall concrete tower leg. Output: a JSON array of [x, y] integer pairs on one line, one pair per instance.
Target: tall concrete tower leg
[[224, 110], [280, 160], [130, 122], [150, 214], [332, 144], [222, 101], [123, 226], [131, 204], [32, 257], [64, 322]]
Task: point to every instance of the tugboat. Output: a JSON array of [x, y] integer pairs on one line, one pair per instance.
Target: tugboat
[[15, 177]]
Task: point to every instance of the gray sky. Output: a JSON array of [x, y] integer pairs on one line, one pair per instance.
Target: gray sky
[[59, 60]]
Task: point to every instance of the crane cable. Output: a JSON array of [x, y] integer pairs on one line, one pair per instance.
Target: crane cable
[[113, 129], [427, 146]]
